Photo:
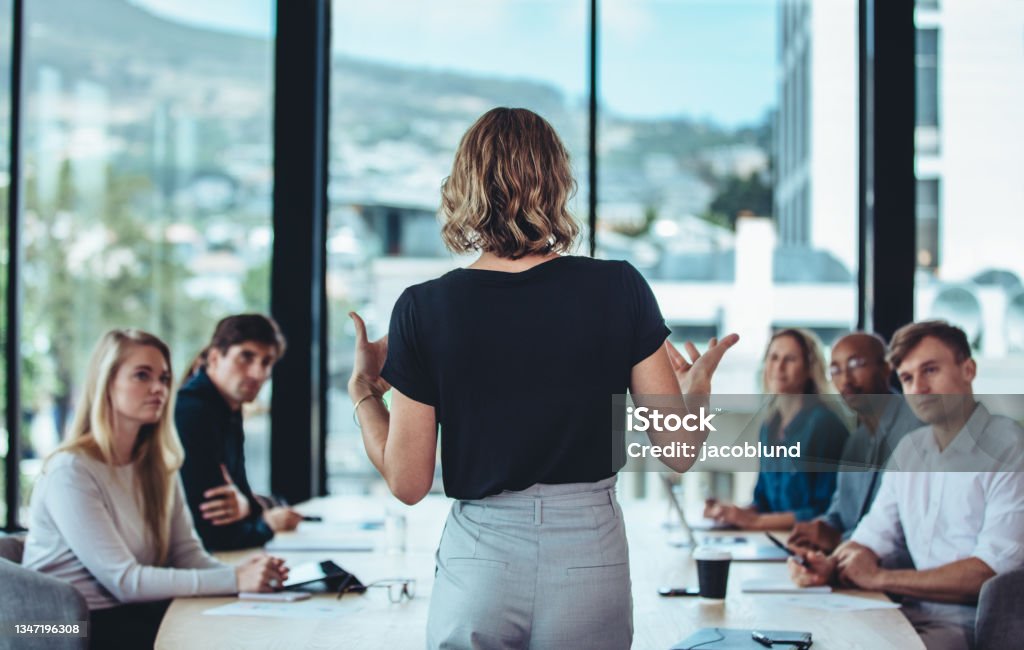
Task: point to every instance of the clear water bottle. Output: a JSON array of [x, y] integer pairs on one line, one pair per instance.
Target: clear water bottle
[[394, 531]]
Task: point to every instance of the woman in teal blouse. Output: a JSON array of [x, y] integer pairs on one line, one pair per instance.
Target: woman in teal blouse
[[786, 491]]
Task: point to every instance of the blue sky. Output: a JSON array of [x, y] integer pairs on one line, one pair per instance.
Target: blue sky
[[710, 59]]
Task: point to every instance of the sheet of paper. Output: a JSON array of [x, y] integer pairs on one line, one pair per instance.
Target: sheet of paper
[[782, 586], [301, 542], [835, 602], [332, 525], [316, 608]]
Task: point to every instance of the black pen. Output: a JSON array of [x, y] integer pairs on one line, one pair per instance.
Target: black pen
[[278, 501], [799, 559]]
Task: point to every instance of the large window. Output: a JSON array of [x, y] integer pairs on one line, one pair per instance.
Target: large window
[[728, 185], [728, 172], [728, 165], [408, 78], [969, 191], [147, 185], [726, 150]]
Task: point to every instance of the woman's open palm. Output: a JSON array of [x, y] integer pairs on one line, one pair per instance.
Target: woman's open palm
[[694, 375]]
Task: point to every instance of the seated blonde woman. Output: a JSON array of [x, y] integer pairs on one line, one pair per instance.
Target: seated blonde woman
[[108, 513], [789, 490]]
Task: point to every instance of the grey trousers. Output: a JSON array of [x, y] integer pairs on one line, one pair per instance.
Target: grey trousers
[[543, 568], [942, 626]]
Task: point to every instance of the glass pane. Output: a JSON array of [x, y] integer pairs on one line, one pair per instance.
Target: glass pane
[[927, 61], [5, 149], [728, 173], [976, 278], [148, 181], [928, 224], [408, 78]]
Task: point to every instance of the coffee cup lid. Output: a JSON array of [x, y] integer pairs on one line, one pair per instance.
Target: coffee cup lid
[[711, 553]]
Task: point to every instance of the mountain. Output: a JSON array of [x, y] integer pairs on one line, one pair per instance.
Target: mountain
[[177, 100]]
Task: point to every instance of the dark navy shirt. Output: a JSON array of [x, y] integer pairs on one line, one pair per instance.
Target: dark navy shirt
[[521, 368], [788, 484], [211, 433]]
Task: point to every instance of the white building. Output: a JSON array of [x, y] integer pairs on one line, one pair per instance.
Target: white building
[[816, 127], [969, 137]]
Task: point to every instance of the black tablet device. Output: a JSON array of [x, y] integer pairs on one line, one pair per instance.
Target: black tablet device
[[327, 571]]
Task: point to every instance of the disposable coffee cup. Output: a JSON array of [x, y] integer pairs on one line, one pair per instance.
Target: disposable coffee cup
[[712, 571]]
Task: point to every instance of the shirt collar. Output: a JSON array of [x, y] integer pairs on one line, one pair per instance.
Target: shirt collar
[[204, 387], [966, 440]]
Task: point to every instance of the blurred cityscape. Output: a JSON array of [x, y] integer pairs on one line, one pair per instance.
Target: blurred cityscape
[[148, 182]]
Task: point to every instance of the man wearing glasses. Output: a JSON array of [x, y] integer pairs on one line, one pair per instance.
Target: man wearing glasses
[[861, 375]]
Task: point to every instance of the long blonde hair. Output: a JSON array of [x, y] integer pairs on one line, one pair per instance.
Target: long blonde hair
[[157, 453]]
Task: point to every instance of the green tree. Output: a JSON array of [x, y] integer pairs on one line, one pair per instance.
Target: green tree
[[739, 194], [638, 229], [256, 287], [50, 289], [90, 270]]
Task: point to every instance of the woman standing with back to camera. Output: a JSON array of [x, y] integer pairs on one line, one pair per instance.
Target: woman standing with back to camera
[[517, 358]]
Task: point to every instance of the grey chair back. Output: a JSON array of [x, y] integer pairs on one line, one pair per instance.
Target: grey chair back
[[31, 597], [999, 624], [12, 547]]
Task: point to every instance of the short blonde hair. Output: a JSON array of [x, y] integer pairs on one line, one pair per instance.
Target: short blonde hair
[[509, 188], [157, 454]]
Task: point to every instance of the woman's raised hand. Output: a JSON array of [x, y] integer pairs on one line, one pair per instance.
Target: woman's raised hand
[[369, 360], [694, 375]]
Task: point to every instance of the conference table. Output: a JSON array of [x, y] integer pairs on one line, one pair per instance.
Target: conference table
[[371, 620]]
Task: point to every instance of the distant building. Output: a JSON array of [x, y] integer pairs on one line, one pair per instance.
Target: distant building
[[816, 127], [970, 62], [969, 92]]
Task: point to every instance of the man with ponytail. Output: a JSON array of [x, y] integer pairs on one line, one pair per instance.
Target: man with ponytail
[[228, 373]]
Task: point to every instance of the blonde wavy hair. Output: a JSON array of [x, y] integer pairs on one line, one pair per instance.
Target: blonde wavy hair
[[157, 454], [509, 188], [814, 361]]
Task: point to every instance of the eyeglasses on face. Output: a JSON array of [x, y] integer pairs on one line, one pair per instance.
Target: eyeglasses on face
[[399, 589], [853, 363]]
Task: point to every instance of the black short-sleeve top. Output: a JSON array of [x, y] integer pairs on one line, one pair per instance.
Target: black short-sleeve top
[[521, 367]]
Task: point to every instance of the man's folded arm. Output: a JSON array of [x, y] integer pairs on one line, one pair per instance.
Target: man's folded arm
[[200, 472]]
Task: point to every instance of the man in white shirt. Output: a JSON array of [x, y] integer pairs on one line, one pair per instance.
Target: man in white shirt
[[954, 496]]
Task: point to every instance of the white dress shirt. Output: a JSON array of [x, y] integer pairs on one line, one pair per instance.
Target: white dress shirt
[[947, 505]]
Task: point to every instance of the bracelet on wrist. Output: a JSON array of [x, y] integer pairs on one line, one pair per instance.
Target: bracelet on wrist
[[355, 408]]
